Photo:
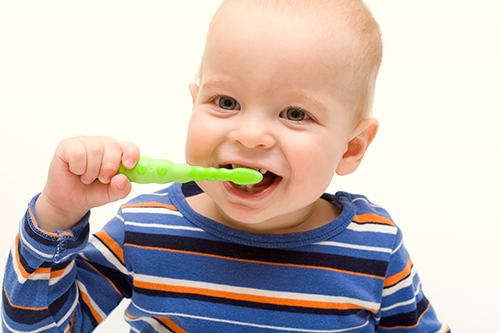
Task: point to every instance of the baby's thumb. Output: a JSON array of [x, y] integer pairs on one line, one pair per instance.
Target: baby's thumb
[[119, 188]]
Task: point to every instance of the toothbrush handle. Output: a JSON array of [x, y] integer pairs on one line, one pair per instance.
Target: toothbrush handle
[[149, 170]]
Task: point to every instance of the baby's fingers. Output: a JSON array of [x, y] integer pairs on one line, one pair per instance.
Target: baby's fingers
[[130, 154], [95, 151], [110, 160]]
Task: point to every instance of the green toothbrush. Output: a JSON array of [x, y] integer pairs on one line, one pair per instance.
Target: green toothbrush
[[149, 170]]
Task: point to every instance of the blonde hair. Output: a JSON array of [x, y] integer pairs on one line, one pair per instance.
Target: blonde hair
[[356, 21]]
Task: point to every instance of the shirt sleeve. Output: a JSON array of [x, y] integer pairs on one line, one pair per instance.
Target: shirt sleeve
[[404, 306], [52, 285]]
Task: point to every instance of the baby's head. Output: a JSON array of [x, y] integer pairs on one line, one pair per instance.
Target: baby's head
[[347, 24], [285, 86]]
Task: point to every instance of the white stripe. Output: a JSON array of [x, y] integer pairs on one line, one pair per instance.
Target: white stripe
[[368, 202], [410, 301], [63, 259], [106, 253], [71, 310], [257, 292], [368, 227], [36, 276], [94, 304], [233, 322], [443, 329], [20, 278], [150, 210], [67, 270], [356, 247], [160, 194], [27, 244], [397, 248], [162, 226], [400, 285], [152, 322], [41, 329]]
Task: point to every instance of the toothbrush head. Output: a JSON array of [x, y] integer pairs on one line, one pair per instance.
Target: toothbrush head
[[244, 176]]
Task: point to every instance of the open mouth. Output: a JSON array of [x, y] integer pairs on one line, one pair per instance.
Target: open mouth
[[268, 179]]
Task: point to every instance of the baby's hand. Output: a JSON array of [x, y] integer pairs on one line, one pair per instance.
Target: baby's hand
[[82, 175]]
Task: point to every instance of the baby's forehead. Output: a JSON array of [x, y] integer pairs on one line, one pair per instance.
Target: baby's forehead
[[349, 19], [352, 12]]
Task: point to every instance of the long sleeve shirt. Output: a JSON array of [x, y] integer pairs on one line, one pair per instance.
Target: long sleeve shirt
[[186, 273]]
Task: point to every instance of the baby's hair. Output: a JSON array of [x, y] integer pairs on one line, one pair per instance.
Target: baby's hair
[[359, 25]]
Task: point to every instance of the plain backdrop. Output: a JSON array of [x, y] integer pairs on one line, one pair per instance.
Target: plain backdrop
[[121, 68]]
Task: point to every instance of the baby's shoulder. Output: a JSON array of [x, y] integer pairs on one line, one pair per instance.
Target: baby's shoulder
[[369, 223], [361, 205]]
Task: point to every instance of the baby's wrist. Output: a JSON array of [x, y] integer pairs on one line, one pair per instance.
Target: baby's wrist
[[50, 218]]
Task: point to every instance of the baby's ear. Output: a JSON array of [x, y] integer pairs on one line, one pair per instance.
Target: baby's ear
[[361, 138], [194, 88]]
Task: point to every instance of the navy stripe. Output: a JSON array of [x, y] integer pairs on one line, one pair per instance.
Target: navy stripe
[[245, 304], [25, 264], [82, 237], [88, 312], [24, 316], [272, 256], [119, 280], [110, 250], [407, 319], [59, 303]]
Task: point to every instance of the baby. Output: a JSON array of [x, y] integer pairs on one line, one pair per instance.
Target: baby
[[285, 87]]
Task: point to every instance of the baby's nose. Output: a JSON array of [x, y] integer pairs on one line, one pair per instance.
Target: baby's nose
[[254, 132]]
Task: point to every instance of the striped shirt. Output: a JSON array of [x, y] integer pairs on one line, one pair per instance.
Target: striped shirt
[[186, 273]]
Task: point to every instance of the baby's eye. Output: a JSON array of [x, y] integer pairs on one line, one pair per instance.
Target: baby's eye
[[294, 114], [227, 103]]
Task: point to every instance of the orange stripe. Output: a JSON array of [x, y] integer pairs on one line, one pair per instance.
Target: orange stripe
[[254, 261], [394, 279], [110, 282], [150, 204], [35, 223], [39, 270], [86, 299], [170, 324], [42, 270], [22, 307], [250, 298], [18, 261], [111, 244], [58, 273], [373, 218], [72, 323], [164, 320], [408, 327], [129, 315]]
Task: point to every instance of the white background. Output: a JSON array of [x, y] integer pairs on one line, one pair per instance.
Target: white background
[[121, 68]]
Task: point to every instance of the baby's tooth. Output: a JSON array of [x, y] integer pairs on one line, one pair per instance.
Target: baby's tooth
[[263, 171]]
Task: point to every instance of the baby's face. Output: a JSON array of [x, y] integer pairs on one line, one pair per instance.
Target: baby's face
[[269, 99]]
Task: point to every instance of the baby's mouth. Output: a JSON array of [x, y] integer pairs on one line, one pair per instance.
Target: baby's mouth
[[268, 179]]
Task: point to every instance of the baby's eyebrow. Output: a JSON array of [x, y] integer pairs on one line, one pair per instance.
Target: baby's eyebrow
[[309, 99], [216, 83]]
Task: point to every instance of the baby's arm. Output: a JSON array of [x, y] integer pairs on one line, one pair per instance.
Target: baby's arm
[[49, 286], [404, 306], [71, 189]]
